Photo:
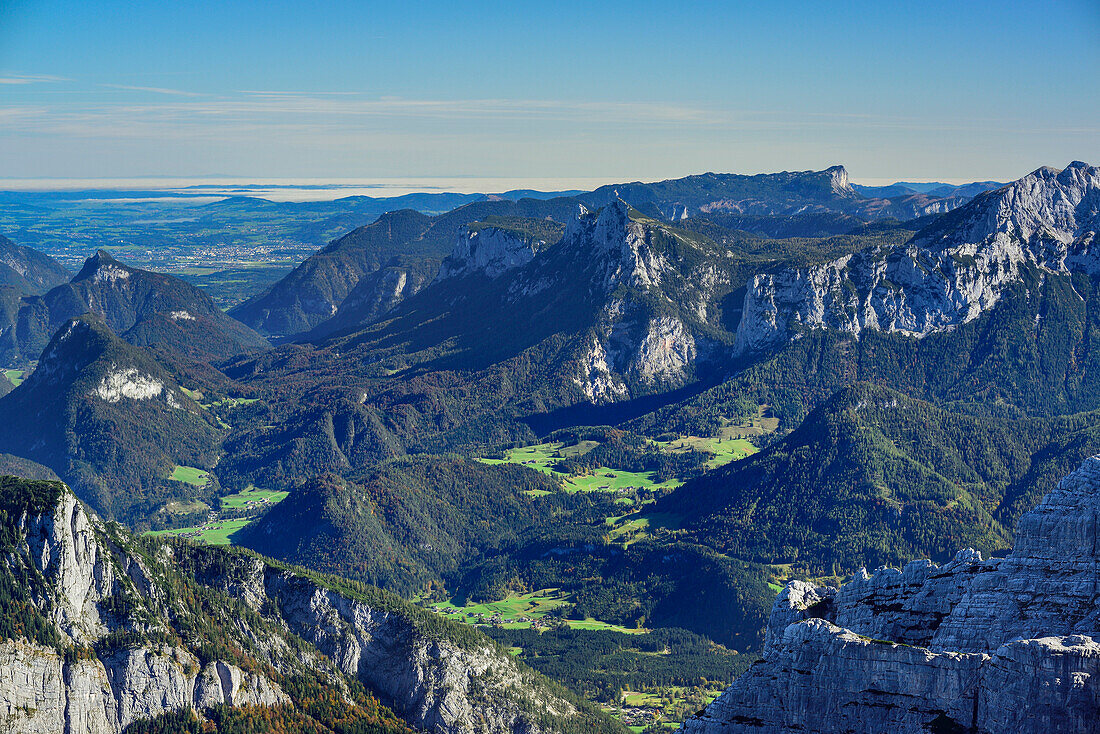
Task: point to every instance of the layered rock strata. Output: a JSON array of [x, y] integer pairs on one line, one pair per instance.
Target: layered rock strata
[[949, 274], [986, 646]]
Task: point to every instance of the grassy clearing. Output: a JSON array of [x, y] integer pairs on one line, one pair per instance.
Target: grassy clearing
[[544, 456], [186, 508], [731, 444], [252, 498], [217, 532], [725, 450], [190, 475], [15, 377], [522, 611], [630, 528], [199, 397]]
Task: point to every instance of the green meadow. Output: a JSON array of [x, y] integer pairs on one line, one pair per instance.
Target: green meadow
[[219, 531], [190, 475], [532, 606], [604, 479], [252, 497]]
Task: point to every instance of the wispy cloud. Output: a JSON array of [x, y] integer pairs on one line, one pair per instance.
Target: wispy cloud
[[30, 78], [348, 119], [283, 93], [154, 90]]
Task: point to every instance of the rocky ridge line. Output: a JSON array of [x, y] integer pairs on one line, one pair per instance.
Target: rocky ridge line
[[987, 646], [949, 274], [116, 654]]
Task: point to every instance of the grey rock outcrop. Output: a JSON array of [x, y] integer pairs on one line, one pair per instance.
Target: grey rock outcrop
[[114, 653], [42, 689], [949, 274], [653, 301], [987, 646], [434, 683], [490, 251]]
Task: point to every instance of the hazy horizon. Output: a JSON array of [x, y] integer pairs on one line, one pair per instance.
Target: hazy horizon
[[321, 189], [615, 91]]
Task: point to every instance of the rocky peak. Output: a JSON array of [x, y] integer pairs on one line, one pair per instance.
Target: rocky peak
[[839, 180], [985, 646], [950, 273], [87, 356], [1046, 206], [489, 251], [75, 345], [102, 267], [617, 244]]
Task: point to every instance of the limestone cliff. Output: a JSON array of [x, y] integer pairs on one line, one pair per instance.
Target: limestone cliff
[[437, 682], [653, 288], [490, 251], [988, 646], [948, 274], [101, 629], [87, 681]]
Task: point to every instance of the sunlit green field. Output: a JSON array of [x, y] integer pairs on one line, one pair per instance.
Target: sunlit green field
[[218, 531], [629, 528], [15, 377], [725, 450], [533, 606], [543, 456], [215, 533], [190, 475], [253, 496]]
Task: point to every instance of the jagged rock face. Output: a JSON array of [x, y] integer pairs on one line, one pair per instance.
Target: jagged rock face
[[985, 646], [636, 348], [621, 250], [89, 573], [490, 251], [43, 690], [437, 685], [626, 264], [949, 274]]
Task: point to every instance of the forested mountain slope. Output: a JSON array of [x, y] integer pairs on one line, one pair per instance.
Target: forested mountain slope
[[27, 270], [101, 631], [108, 419], [145, 308], [873, 476], [405, 246]]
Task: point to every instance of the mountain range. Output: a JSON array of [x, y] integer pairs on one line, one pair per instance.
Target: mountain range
[[807, 203], [638, 404], [145, 308]]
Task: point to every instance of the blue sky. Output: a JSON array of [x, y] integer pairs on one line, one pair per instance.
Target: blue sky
[[947, 90]]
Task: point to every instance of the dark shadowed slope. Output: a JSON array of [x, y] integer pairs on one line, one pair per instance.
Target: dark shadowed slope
[[403, 244], [145, 308], [29, 270], [109, 420]]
